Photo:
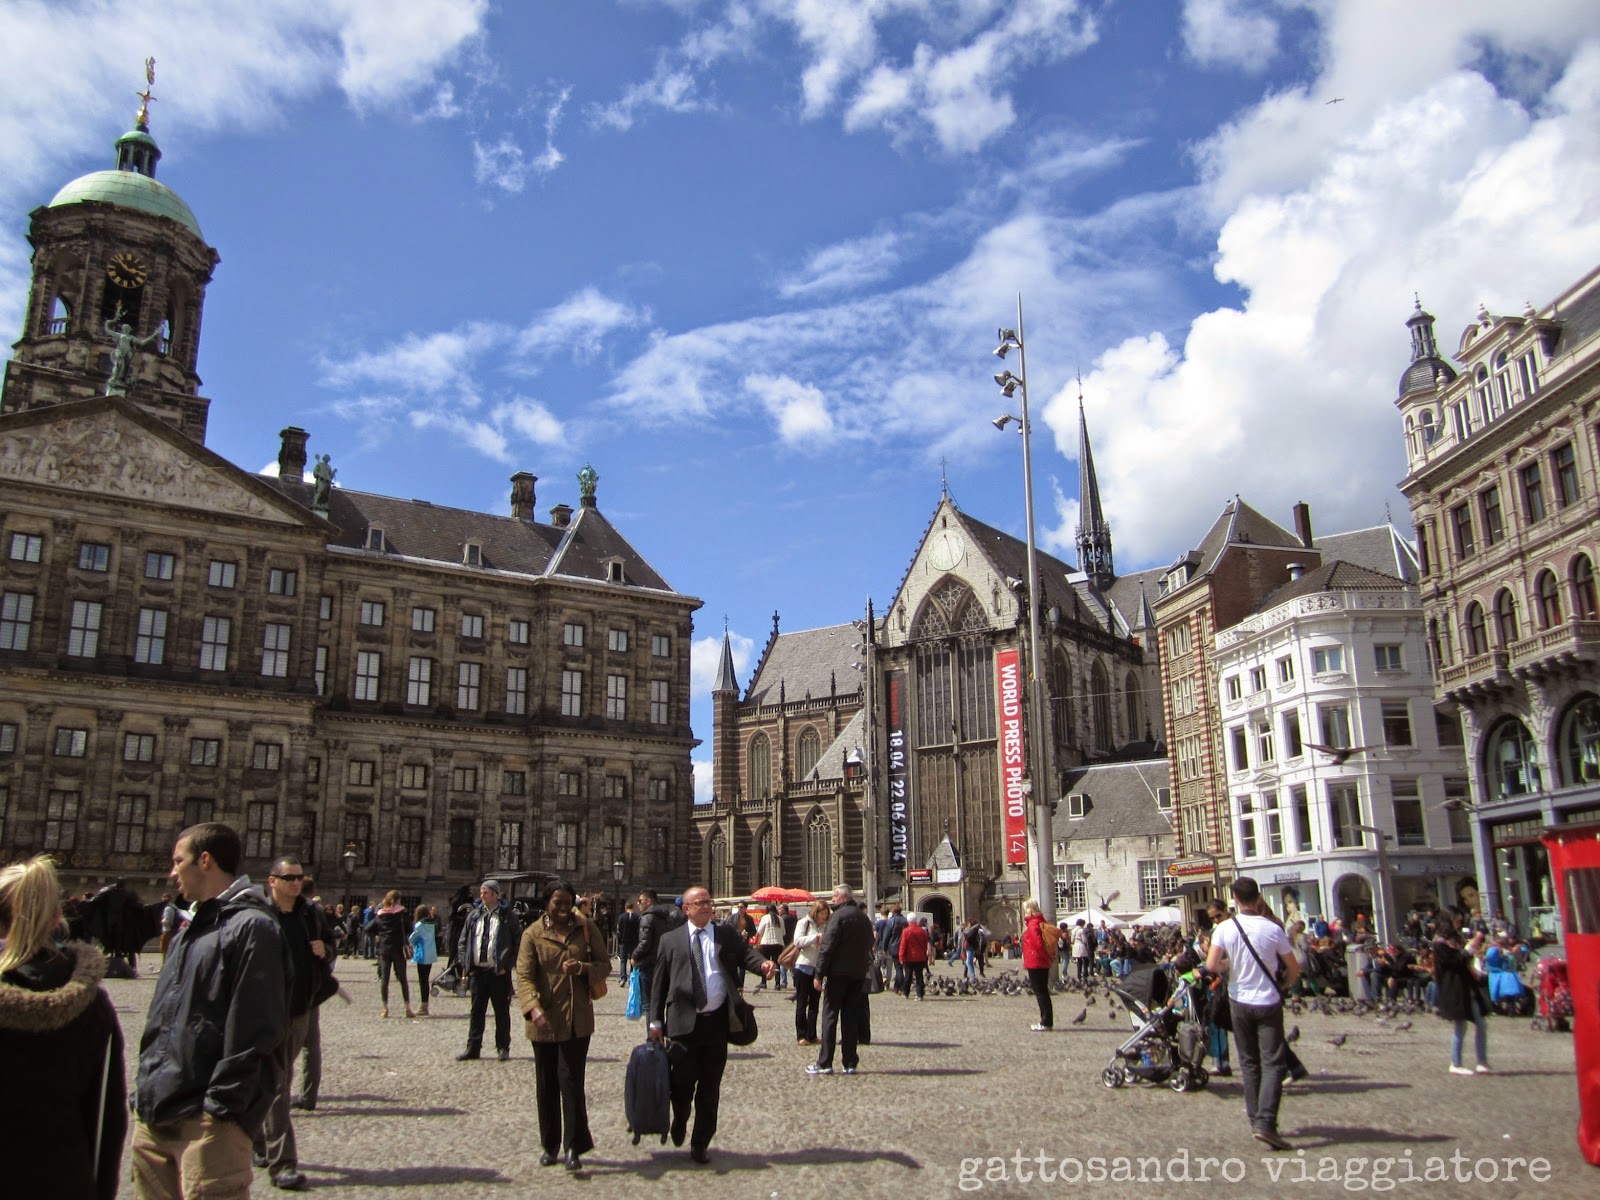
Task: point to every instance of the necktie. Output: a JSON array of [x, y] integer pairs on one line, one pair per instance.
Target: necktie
[[698, 941], [483, 942]]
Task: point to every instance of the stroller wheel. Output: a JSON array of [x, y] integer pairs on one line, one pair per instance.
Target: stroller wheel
[[1113, 1077], [1182, 1080], [1201, 1078], [434, 988]]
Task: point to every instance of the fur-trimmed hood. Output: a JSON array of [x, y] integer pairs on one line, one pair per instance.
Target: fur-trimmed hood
[[23, 1010]]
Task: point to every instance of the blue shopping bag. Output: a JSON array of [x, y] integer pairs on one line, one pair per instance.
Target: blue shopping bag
[[635, 1008]]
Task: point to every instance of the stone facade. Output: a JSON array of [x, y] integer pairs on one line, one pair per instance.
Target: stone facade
[[417, 694], [1504, 485]]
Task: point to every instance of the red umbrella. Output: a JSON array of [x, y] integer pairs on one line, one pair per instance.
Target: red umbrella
[[782, 895]]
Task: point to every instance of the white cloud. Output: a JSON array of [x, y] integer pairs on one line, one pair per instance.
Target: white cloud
[[800, 409], [502, 165], [482, 436], [578, 325], [532, 420], [671, 89], [1450, 189], [844, 266], [1230, 33], [423, 363], [388, 49]]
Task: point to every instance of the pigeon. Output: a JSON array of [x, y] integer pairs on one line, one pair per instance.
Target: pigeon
[[1079, 1019], [1292, 1036], [1090, 1000], [1337, 1039], [1402, 1027]]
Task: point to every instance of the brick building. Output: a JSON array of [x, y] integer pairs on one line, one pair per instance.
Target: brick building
[[404, 694]]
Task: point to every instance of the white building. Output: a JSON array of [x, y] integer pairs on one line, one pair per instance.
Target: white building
[[1112, 837], [1326, 695]]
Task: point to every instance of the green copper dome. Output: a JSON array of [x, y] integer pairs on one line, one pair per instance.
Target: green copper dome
[[129, 189]]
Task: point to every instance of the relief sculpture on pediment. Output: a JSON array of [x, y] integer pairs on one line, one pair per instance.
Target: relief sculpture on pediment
[[107, 456]]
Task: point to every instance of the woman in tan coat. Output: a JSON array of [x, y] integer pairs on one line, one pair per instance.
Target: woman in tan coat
[[562, 956]]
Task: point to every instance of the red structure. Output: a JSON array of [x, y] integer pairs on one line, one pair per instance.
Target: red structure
[[1575, 858]]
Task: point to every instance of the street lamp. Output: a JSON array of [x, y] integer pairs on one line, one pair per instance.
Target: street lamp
[[348, 860], [618, 870], [1381, 895], [1042, 881]]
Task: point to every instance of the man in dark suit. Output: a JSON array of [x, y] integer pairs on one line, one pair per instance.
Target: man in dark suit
[[695, 969], [843, 961]]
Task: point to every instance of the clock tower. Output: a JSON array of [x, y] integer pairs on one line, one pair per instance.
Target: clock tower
[[119, 281]]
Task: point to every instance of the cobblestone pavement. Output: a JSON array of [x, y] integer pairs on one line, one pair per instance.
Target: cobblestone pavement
[[946, 1081]]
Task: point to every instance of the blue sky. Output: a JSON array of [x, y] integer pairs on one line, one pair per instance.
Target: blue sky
[[747, 257]]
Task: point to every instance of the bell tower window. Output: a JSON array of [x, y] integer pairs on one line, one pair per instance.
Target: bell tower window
[[60, 317]]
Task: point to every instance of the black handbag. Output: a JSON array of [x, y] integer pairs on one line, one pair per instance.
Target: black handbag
[[742, 1029]]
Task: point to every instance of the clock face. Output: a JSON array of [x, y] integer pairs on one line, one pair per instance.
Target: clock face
[[125, 270], [946, 550]]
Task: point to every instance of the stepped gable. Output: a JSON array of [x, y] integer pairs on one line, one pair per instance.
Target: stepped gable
[[812, 662], [1336, 576], [1122, 801]]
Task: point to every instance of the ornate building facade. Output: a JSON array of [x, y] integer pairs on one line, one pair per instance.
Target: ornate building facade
[[1504, 485], [404, 694]]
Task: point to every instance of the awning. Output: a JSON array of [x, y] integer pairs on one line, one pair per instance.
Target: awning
[[1187, 888]]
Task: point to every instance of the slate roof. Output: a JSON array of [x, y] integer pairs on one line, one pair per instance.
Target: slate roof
[[1580, 321], [830, 764], [1380, 548], [1336, 576], [1064, 586], [812, 662], [1238, 524], [1122, 801], [419, 529]]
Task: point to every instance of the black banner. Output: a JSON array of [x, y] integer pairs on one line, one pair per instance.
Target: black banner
[[899, 774]]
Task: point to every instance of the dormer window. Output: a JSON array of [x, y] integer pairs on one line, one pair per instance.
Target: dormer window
[[615, 572], [472, 554], [1077, 804], [375, 537]]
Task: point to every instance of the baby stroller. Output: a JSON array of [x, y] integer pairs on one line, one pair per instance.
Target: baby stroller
[[1168, 1043], [452, 979], [1555, 997]]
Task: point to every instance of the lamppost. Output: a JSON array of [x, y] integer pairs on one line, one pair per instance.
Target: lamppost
[[347, 864], [1034, 786], [866, 768], [618, 870], [1380, 918]]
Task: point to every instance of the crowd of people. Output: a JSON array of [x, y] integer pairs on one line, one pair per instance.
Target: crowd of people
[[246, 967]]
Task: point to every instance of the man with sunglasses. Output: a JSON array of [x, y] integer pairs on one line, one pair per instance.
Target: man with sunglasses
[[274, 1146]]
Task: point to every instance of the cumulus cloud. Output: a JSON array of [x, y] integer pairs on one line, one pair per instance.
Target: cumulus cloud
[[1231, 33], [800, 410], [1452, 189]]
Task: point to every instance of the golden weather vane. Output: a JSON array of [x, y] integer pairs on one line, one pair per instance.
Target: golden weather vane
[[143, 119]]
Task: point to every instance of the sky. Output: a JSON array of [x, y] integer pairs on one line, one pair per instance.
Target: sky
[[747, 257]]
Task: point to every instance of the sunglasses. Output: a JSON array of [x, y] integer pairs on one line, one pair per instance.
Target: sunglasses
[[289, 878]]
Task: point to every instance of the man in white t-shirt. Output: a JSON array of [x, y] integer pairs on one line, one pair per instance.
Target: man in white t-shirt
[[1256, 1002]]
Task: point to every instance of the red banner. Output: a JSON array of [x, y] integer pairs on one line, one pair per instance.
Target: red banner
[[1013, 754]]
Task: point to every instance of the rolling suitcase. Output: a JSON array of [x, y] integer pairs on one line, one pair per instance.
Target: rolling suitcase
[[647, 1092]]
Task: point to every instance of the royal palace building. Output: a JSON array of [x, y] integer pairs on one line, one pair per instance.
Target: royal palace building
[[404, 694]]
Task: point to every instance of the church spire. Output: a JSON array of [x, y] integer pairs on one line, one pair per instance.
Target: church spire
[[727, 681], [1094, 535]]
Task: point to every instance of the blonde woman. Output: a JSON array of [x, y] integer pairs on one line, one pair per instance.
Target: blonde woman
[[63, 1116], [808, 936]]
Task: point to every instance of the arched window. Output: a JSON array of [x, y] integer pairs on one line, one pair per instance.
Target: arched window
[[1430, 428], [1548, 591], [1583, 606], [1502, 381], [1578, 744], [1130, 695], [1100, 704], [1475, 635], [1061, 701], [1413, 446], [760, 767], [764, 857], [808, 751], [1480, 388], [60, 316], [1528, 369], [717, 857], [819, 854], [1510, 760], [1505, 618]]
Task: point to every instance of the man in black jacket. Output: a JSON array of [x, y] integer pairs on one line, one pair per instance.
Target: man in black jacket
[[299, 920], [627, 937], [488, 950], [657, 919], [207, 1064], [695, 981], [843, 961]]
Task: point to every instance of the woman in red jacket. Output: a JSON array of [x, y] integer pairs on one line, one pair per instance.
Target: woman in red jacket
[[1037, 955], [914, 956]]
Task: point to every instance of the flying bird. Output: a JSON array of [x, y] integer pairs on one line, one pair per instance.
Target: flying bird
[[1337, 100], [1338, 755]]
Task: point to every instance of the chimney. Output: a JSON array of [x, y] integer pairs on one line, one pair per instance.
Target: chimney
[[292, 454], [1302, 524], [1296, 570], [561, 516], [522, 495]]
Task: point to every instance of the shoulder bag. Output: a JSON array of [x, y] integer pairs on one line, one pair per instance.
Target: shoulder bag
[[1270, 974]]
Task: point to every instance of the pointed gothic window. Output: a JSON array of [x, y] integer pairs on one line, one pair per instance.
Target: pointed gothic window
[[764, 858], [760, 767], [1061, 716], [819, 854], [810, 749], [718, 878], [1100, 702]]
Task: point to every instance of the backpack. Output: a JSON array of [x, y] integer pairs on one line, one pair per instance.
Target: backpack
[[1052, 938], [647, 1091]]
